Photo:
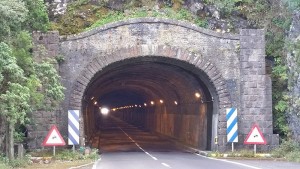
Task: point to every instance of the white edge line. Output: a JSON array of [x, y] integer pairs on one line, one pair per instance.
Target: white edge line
[[82, 165], [237, 163], [95, 164]]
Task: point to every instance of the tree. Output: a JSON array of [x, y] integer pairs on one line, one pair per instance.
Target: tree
[[37, 17], [14, 97], [25, 85], [13, 13]]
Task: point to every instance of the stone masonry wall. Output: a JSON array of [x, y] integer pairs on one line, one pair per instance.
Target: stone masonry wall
[[241, 83], [45, 46], [256, 87]]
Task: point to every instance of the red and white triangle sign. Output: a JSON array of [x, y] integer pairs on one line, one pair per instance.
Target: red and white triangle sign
[[54, 138], [255, 136]]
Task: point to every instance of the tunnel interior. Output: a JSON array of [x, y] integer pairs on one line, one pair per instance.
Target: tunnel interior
[[160, 95]]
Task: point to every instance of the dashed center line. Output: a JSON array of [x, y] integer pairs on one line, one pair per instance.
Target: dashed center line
[[166, 165], [154, 158]]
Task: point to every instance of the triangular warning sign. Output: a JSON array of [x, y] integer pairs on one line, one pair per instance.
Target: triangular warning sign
[[255, 136], [53, 138]]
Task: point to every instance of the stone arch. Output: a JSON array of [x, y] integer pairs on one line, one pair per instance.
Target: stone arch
[[98, 63], [205, 65]]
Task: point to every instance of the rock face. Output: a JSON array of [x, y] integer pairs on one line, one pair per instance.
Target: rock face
[[293, 58], [208, 12], [56, 7]]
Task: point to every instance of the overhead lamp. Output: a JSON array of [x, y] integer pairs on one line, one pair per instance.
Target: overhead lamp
[[175, 102], [145, 104], [197, 95], [161, 101], [104, 111], [152, 102], [95, 102]]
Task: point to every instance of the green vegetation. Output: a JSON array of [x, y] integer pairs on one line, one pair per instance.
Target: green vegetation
[[273, 16], [289, 150], [77, 19], [240, 153], [25, 84], [61, 155], [182, 14], [5, 163], [69, 155]]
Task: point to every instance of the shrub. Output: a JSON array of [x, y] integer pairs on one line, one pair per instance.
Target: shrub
[[286, 149]]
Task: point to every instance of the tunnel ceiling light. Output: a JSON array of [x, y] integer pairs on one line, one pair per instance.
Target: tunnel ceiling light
[[152, 102], [104, 111], [198, 95], [92, 98], [175, 102], [135, 105], [140, 105], [161, 101], [95, 103], [145, 104]]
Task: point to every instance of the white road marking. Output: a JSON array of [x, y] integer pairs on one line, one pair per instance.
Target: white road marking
[[96, 163], [232, 162], [154, 158], [166, 165], [82, 165]]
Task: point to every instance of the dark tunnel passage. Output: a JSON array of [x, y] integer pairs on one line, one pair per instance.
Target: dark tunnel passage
[[164, 96]]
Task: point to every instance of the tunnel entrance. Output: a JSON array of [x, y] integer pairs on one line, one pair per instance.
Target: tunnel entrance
[[161, 95]]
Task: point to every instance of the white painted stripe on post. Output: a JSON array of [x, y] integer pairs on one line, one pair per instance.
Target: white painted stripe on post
[[232, 117], [232, 125], [73, 133], [231, 133], [74, 121], [73, 129]]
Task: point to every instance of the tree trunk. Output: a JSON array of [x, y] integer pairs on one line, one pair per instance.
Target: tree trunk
[[2, 134], [293, 114], [6, 138], [11, 129]]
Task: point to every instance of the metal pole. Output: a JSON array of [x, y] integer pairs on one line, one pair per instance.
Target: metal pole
[[73, 148], [53, 150], [254, 149], [232, 146]]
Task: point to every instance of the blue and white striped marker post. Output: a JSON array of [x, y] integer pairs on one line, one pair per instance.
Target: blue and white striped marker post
[[73, 127], [232, 126]]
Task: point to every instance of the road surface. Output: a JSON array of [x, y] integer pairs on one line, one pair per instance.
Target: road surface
[[124, 146]]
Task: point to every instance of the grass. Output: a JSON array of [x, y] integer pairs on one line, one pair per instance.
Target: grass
[[64, 158], [288, 150], [82, 16], [240, 153], [59, 164], [182, 14]]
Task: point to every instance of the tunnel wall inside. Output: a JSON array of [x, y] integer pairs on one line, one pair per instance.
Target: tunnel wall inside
[[188, 126], [234, 65]]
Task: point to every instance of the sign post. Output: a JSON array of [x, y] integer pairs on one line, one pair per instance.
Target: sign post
[[255, 137], [232, 126], [73, 128], [53, 138]]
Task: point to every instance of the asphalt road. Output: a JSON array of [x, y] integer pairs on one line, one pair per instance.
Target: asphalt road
[[126, 147]]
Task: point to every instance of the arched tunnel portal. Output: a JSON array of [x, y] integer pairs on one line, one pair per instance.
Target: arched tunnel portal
[[161, 95], [136, 61]]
